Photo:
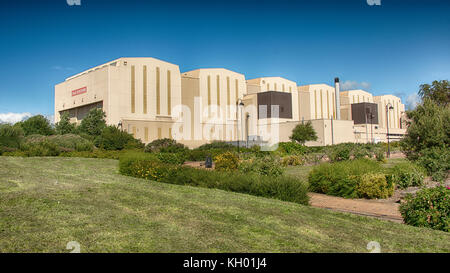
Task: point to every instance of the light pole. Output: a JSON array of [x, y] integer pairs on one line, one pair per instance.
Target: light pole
[[388, 107]]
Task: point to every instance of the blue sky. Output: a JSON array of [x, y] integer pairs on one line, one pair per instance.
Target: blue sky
[[391, 48]]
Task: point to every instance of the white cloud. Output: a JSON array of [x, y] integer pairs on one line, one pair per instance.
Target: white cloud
[[351, 85], [50, 118], [13, 117], [58, 67], [412, 101]]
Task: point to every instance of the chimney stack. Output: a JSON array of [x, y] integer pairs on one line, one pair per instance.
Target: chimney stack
[[337, 98]]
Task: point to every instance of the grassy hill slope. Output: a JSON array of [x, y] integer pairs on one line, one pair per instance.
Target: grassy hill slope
[[47, 202]]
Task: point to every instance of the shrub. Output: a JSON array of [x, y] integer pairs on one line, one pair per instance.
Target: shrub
[[266, 166], [359, 151], [436, 161], [430, 207], [93, 124], [172, 158], [374, 185], [112, 138], [128, 160], [97, 153], [282, 187], [339, 152], [226, 162], [292, 148], [341, 178], [405, 175], [429, 127], [67, 143], [303, 133], [292, 160], [36, 125], [41, 148], [216, 145], [380, 155], [64, 126], [165, 145], [10, 138]]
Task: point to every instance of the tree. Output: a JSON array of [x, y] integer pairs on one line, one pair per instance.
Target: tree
[[429, 126], [64, 126], [438, 91], [428, 138], [303, 133], [36, 125], [94, 123]]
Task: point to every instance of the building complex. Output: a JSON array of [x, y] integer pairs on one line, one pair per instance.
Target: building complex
[[151, 99]]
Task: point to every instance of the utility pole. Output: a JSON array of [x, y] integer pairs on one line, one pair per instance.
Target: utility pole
[[388, 107]]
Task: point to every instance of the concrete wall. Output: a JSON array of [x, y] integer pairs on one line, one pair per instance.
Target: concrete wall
[[316, 101]]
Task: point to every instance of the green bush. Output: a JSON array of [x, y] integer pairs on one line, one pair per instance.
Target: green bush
[[112, 138], [128, 160], [93, 123], [10, 138], [200, 155], [281, 187], [430, 207], [405, 175], [36, 125], [64, 126], [96, 153], [303, 132], [341, 178], [292, 148], [380, 155], [41, 148], [292, 160], [64, 143], [374, 185], [217, 145], [265, 166], [339, 152], [436, 161], [165, 145], [172, 158], [227, 161]]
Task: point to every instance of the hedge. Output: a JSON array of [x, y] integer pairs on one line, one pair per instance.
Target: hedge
[[281, 187]]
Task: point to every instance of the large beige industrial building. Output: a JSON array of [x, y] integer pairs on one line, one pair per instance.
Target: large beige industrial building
[[151, 99]]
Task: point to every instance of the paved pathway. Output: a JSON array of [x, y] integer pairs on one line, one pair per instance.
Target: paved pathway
[[373, 208]]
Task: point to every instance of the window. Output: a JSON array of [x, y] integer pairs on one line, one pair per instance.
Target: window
[[144, 85], [159, 133], [228, 93], [146, 133], [158, 92], [170, 133], [275, 87], [315, 103], [133, 89], [321, 104], [268, 87], [209, 95], [328, 104], [169, 93], [218, 90], [283, 87]]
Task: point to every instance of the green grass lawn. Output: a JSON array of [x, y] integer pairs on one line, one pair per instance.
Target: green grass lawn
[[47, 202]]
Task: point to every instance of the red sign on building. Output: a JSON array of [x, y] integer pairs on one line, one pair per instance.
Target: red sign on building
[[79, 91]]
